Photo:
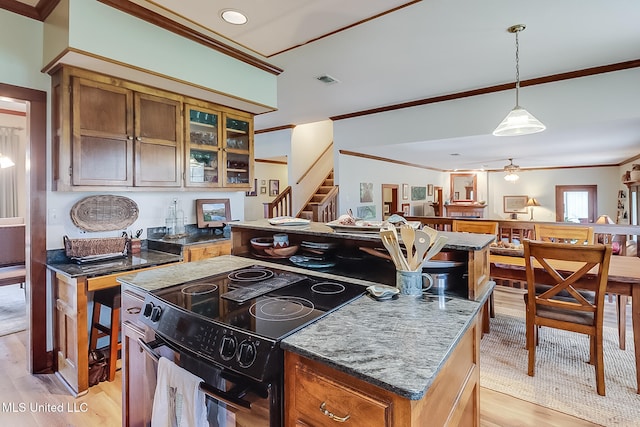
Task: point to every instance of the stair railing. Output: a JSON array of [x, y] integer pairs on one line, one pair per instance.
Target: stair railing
[[280, 206], [326, 209], [310, 168]]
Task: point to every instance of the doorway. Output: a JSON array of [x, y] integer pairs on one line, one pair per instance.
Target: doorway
[[389, 200], [576, 203], [38, 359]]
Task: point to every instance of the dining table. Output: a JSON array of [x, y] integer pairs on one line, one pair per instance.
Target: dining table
[[623, 279]]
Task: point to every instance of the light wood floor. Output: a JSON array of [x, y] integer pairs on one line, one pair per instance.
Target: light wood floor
[[30, 400]]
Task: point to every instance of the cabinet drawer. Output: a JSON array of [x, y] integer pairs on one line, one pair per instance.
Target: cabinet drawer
[[196, 253], [315, 390], [132, 304]]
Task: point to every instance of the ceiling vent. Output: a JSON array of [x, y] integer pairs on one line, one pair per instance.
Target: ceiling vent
[[325, 78]]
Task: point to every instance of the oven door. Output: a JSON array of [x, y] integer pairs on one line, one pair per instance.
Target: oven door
[[232, 399]]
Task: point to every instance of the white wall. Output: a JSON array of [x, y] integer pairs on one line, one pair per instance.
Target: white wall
[[264, 172], [541, 185], [356, 170]]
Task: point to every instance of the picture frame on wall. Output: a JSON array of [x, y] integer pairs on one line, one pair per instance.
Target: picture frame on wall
[[274, 187], [406, 207], [429, 189], [263, 190], [366, 192], [514, 204], [418, 193], [405, 191]]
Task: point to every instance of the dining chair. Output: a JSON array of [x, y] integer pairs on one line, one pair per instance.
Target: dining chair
[[582, 235], [564, 233], [562, 306], [478, 227]]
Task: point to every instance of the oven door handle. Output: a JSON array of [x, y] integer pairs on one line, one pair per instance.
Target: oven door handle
[[209, 390]]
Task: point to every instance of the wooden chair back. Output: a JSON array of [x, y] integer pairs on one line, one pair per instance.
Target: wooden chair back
[[479, 227], [564, 234], [562, 305]]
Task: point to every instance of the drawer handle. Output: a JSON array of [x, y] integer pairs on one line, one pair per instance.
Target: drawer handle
[[334, 417], [133, 310]]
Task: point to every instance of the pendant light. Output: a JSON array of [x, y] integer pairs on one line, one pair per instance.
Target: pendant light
[[519, 121], [511, 171]]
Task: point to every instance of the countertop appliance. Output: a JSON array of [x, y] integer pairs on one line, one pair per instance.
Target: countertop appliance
[[227, 330]]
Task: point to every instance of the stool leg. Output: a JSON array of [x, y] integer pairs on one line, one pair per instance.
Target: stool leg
[[95, 318], [113, 342], [621, 310]]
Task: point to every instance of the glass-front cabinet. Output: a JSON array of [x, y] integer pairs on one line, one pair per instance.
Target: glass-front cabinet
[[237, 158], [220, 148]]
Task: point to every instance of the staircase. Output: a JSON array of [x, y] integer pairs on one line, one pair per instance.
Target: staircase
[[322, 205]]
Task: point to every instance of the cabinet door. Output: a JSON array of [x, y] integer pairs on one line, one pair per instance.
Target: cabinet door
[[238, 151], [102, 147], [158, 142], [138, 379], [203, 154]]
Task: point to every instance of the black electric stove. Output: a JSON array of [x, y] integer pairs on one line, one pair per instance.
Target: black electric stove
[[237, 319]]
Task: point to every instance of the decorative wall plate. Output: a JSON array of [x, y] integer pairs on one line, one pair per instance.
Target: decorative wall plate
[[104, 213]]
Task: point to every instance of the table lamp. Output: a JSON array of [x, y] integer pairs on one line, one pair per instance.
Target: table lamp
[[531, 203]]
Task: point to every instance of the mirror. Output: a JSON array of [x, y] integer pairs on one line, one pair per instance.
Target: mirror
[[463, 187]]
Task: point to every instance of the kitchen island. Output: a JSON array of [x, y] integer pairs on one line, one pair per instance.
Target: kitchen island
[[406, 359]]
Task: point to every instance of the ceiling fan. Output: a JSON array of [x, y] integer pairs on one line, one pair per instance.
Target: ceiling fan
[[511, 171]]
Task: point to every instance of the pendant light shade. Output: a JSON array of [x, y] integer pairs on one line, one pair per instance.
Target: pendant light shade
[[519, 121]]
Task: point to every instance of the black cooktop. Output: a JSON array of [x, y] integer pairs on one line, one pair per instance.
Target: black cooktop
[[267, 302]]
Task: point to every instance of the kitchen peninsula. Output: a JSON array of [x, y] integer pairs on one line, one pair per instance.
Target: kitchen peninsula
[[380, 363], [421, 364]]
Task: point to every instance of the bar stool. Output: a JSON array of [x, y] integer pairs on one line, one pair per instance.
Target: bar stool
[[109, 297]]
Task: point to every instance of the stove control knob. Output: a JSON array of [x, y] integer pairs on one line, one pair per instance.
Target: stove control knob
[[246, 354], [155, 314], [147, 309], [228, 347]]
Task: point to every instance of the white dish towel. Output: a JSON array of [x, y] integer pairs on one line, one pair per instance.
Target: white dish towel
[[178, 399]]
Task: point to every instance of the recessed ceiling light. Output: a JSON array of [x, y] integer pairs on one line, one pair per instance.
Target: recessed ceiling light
[[233, 17]]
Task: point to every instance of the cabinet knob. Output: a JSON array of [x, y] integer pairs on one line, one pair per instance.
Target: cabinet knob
[[138, 138], [129, 137], [334, 417]]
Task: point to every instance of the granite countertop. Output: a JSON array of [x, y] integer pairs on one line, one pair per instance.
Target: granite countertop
[[145, 259], [457, 241], [398, 345]]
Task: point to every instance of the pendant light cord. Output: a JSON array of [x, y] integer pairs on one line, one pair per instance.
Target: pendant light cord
[[517, 69]]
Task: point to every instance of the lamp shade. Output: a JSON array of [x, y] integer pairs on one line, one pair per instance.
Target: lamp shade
[[519, 122], [604, 219], [532, 202], [5, 162]]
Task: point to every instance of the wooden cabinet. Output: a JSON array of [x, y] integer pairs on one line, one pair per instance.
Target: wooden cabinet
[[465, 210], [219, 148], [112, 133], [138, 370], [121, 137], [207, 250], [318, 395]]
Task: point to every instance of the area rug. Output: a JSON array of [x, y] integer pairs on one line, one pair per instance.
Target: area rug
[[13, 312], [564, 380]]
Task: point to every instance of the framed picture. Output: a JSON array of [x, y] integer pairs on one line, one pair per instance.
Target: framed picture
[[254, 190], [366, 212], [263, 190], [515, 204], [212, 212], [406, 207], [366, 192], [429, 189], [274, 187], [263, 182], [405, 191], [418, 193]]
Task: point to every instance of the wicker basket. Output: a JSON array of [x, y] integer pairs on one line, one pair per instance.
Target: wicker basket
[[81, 248]]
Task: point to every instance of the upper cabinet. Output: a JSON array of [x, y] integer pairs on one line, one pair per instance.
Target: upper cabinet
[[219, 148], [113, 133]]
